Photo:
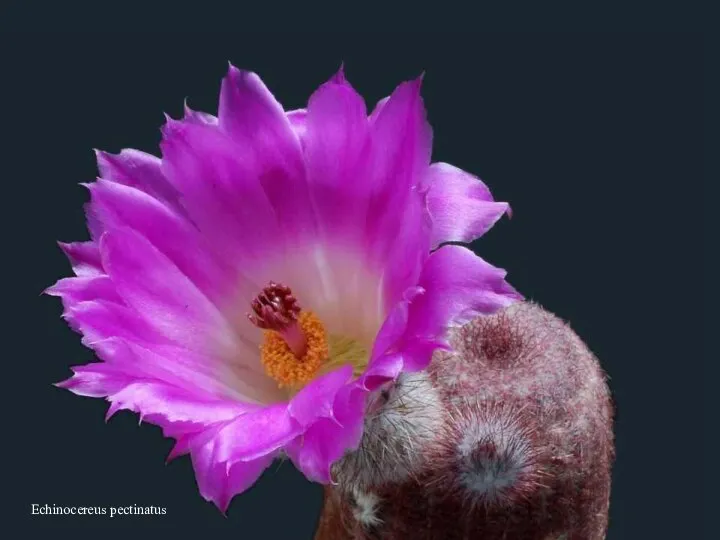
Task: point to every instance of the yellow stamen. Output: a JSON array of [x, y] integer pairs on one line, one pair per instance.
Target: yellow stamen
[[323, 354], [286, 368]]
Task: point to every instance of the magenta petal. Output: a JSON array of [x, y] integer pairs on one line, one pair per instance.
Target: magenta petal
[[398, 225], [180, 416], [242, 475], [349, 412], [412, 247], [250, 113], [175, 410], [395, 324], [85, 288], [417, 353], [93, 221], [336, 143], [461, 206], [221, 192], [317, 399], [297, 119], [321, 445], [199, 117], [218, 483], [378, 107], [388, 354], [459, 286], [402, 141], [163, 296], [84, 257], [336, 426], [143, 364], [333, 432], [267, 143], [98, 320], [385, 368], [120, 206], [312, 453], [256, 434], [198, 374], [95, 380], [139, 170]]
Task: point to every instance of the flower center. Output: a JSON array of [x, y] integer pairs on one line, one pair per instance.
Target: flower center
[[297, 347]]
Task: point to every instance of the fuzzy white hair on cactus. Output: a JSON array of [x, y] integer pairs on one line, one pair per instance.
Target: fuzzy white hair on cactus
[[494, 455], [408, 417], [365, 509]]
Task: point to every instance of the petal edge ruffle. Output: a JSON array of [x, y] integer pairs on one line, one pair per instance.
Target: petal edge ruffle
[[460, 204]]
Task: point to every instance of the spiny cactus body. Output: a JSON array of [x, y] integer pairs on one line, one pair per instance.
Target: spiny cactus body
[[509, 436]]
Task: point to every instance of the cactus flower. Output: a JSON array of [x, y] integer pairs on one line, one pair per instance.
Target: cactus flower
[[251, 288]]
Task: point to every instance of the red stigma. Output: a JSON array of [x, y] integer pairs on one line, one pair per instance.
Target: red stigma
[[275, 308]]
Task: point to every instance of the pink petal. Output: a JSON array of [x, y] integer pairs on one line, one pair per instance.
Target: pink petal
[[217, 483], [320, 446], [221, 193], [336, 142], [317, 399], [310, 453], [98, 320], [199, 117], [297, 119], [333, 431], [270, 149], [349, 412], [118, 206], [139, 170], [412, 248], [174, 409], [399, 226], [395, 325], [241, 476], [257, 433], [367, 180], [84, 257], [378, 107], [199, 374], [417, 352], [220, 475], [163, 296], [461, 206], [459, 286], [95, 380], [382, 370], [74, 290], [385, 360], [94, 224], [401, 139]]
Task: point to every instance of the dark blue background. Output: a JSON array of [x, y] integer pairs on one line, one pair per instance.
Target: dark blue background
[[596, 140]]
